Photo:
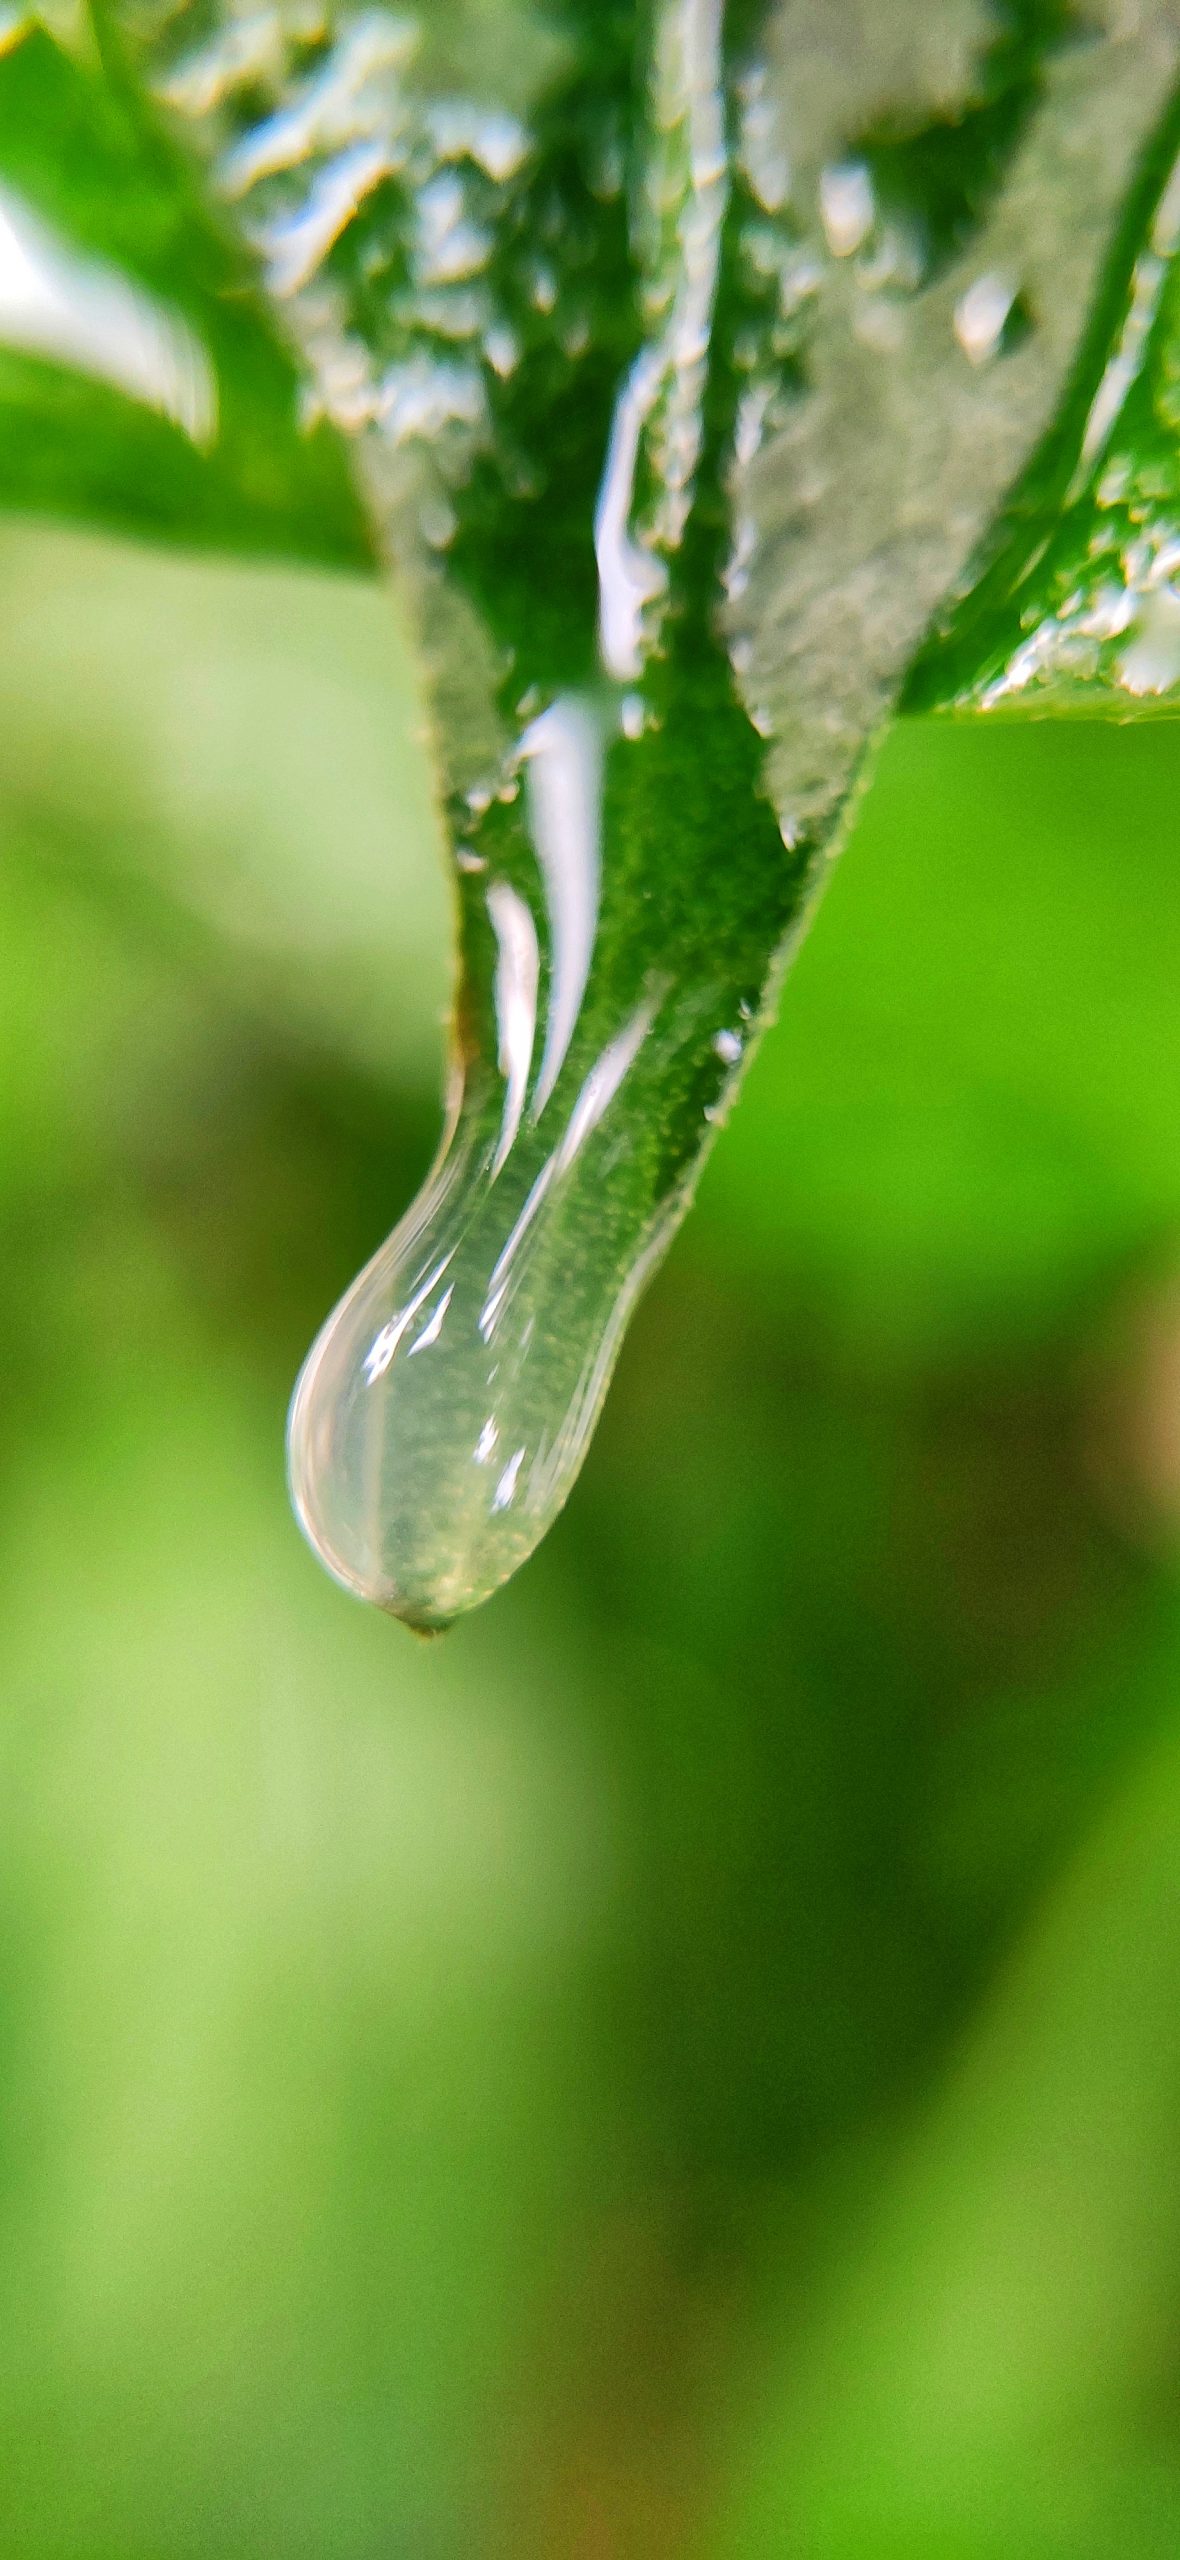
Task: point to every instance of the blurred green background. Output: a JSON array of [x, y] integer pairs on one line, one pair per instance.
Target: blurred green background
[[690, 2063]]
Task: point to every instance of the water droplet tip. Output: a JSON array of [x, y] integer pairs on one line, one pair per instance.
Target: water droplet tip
[[420, 1622]]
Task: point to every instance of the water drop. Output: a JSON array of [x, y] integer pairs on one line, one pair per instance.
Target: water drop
[[488, 1322], [983, 316], [847, 208]]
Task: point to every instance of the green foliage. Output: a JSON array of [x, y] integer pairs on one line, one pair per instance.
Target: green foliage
[[1073, 608], [81, 147], [1064, 591]]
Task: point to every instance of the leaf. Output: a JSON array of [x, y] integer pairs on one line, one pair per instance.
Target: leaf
[[1077, 606], [683, 402], [993, 183], [109, 254]]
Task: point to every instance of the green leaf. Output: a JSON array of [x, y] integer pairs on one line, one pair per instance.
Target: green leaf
[[1075, 606], [102, 214], [681, 424], [685, 391]]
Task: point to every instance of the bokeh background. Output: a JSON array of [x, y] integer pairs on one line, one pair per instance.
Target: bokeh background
[[690, 2063]]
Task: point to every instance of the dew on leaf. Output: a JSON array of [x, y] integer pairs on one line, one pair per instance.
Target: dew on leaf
[[678, 361]]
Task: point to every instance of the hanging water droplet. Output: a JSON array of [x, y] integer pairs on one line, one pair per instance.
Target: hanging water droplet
[[487, 1325]]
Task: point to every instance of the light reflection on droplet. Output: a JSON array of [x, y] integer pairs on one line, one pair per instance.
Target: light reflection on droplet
[[981, 317], [847, 207], [518, 968], [563, 765], [506, 1489]]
